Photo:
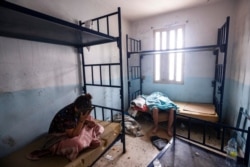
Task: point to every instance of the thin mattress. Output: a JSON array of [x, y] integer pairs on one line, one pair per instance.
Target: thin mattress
[[203, 111], [112, 130]]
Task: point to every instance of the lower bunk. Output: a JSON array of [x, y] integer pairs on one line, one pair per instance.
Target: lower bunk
[[87, 157], [203, 111]]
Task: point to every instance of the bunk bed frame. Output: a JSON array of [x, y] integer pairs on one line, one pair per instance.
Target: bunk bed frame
[[134, 71], [182, 147], [23, 23]]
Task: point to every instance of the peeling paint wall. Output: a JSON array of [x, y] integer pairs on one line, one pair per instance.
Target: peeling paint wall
[[37, 79], [201, 25], [239, 88]]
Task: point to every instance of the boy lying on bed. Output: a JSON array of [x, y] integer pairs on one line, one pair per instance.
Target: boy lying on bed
[[71, 130], [155, 103]]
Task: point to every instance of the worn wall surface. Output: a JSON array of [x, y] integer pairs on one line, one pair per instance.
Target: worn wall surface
[[201, 25], [37, 79], [239, 88]]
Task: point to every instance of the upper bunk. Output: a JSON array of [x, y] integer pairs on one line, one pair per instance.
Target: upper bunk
[[134, 45], [20, 22]]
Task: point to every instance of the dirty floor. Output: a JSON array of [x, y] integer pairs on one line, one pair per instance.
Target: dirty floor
[[139, 150]]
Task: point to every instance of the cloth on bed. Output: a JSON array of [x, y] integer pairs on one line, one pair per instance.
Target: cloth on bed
[[132, 127], [70, 147], [145, 103], [61, 144], [139, 102], [159, 100], [85, 158]]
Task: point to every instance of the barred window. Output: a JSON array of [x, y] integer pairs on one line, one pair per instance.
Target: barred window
[[168, 67]]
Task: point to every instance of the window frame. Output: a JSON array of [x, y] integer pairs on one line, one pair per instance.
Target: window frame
[[165, 56]]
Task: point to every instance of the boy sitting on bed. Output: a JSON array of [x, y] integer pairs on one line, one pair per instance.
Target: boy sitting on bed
[[71, 130], [155, 113], [155, 103]]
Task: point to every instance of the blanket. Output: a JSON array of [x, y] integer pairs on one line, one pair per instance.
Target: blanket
[[132, 127], [159, 100], [61, 144], [70, 147], [145, 103]]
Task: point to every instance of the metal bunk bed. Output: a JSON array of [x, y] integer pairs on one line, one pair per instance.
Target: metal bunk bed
[[23, 23], [135, 54], [181, 149]]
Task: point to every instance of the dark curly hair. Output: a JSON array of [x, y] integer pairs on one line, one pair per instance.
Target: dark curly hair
[[83, 102]]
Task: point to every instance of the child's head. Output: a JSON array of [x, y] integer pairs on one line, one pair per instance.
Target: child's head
[[83, 103]]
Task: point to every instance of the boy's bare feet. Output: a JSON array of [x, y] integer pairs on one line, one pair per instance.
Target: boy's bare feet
[[155, 128], [170, 133]]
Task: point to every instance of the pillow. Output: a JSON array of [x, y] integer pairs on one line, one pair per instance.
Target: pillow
[[142, 109]]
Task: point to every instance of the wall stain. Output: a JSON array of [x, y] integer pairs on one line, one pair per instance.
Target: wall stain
[[8, 140]]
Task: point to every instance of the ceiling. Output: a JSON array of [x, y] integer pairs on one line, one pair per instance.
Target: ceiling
[[138, 9]]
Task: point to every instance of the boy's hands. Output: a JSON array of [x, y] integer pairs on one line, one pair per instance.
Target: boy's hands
[[90, 124], [83, 117]]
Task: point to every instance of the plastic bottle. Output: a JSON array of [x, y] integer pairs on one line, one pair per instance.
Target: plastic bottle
[[157, 163], [232, 152]]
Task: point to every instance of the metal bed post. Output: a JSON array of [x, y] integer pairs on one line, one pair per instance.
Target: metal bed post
[[121, 74], [141, 79], [128, 56], [83, 79], [246, 156], [223, 47]]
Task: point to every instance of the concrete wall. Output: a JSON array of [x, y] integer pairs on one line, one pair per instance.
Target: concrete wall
[[201, 25], [201, 29], [239, 88], [37, 79]]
